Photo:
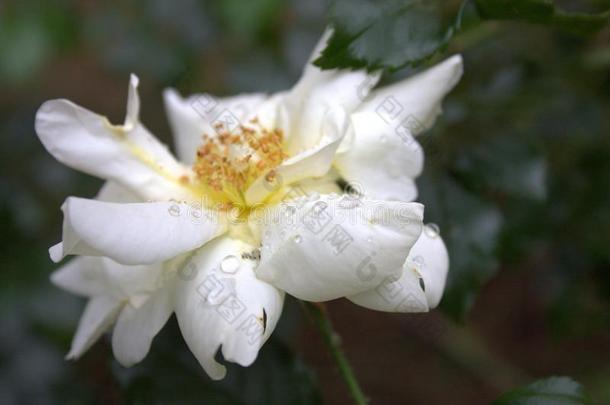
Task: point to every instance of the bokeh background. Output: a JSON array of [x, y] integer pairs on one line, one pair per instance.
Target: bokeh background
[[517, 178]]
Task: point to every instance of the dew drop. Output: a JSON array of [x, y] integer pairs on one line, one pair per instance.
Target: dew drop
[[230, 264], [174, 210], [432, 230], [383, 139], [297, 239], [419, 260]]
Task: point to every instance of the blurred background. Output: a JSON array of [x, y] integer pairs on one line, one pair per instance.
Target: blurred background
[[517, 178]]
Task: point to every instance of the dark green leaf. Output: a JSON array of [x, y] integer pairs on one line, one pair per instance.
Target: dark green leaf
[[551, 391], [386, 34], [542, 12], [529, 10]]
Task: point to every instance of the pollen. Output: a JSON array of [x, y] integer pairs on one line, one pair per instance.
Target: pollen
[[230, 161]]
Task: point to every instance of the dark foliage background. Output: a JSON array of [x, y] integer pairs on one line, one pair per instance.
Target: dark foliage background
[[517, 177]]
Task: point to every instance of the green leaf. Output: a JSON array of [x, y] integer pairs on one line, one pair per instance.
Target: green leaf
[[542, 12], [529, 10], [551, 391], [386, 34]]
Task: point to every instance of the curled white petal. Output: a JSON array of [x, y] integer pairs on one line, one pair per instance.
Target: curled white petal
[[414, 102], [136, 233], [317, 92], [384, 167], [100, 313], [137, 326], [428, 260], [326, 248], [220, 302], [128, 154]]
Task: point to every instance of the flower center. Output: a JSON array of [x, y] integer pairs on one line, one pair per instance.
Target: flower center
[[229, 162]]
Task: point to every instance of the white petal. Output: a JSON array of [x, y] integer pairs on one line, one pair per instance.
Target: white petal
[[132, 116], [128, 154], [137, 233], [427, 259], [414, 102], [100, 313], [315, 162], [318, 91], [91, 276], [136, 327], [330, 248], [131, 282], [195, 116], [400, 293], [81, 276], [225, 305], [113, 192], [381, 166]]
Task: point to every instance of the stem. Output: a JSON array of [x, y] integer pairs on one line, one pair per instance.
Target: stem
[[333, 341]]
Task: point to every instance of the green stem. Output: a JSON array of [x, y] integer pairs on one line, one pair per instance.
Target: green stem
[[333, 341]]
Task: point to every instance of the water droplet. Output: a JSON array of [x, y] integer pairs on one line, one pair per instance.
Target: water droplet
[[174, 210], [297, 238], [432, 230], [230, 264], [369, 239], [383, 139], [290, 211]]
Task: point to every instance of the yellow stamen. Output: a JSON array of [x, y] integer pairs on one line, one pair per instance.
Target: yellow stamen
[[229, 162]]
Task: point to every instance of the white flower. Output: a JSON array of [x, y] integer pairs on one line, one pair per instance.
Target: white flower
[[249, 212]]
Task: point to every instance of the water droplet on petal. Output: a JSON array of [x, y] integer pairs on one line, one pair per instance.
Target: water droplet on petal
[[432, 230], [230, 264], [297, 239], [419, 260], [383, 139]]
